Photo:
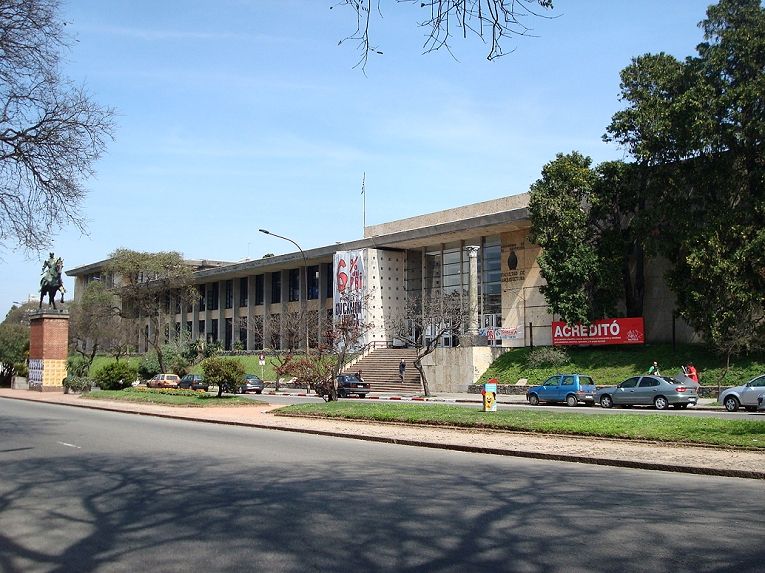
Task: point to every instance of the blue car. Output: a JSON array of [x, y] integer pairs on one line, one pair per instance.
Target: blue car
[[568, 388]]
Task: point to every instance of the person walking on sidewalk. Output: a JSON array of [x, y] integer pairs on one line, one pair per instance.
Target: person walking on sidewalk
[[653, 370], [401, 370]]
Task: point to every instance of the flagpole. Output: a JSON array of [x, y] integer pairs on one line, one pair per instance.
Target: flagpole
[[363, 203]]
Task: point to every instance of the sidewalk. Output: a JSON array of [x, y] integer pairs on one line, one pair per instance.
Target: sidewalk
[[619, 453]]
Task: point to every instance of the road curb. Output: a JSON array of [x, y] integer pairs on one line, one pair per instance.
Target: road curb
[[630, 464]]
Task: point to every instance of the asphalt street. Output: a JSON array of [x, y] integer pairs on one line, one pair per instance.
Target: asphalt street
[[84, 490]]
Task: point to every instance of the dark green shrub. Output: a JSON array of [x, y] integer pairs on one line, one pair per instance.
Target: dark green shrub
[[115, 376], [77, 365], [225, 373], [77, 384], [149, 366], [21, 369], [547, 356]]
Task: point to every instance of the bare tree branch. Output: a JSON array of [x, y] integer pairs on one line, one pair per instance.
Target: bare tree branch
[[490, 20], [51, 133]]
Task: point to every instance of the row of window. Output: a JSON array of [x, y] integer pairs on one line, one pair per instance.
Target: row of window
[[209, 294]]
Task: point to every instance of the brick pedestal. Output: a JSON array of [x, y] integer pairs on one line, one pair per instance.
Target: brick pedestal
[[48, 345]]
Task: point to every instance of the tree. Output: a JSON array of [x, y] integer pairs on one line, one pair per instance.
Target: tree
[[51, 132], [147, 284], [320, 369], [490, 20], [698, 126], [583, 218], [95, 324], [425, 321], [14, 345], [225, 373]]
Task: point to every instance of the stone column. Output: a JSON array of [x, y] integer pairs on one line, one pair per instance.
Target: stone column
[[48, 349], [473, 290], [472, 337]]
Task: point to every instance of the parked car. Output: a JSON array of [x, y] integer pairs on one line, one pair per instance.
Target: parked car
[[194, 382], [659, 391], [164, 381], [568, 388], [251, 383], [348, 384], [746, 395]]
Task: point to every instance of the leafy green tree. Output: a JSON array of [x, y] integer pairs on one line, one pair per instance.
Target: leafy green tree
[[697, 129], [148, 284], [14, 345], [575, 218], [225, 373]]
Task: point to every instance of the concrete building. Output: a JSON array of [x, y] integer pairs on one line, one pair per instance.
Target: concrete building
[[479, 252]]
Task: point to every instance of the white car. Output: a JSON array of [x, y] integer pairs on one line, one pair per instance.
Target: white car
[[743, 396]]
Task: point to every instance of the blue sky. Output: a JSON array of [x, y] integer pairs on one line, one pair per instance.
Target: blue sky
[[251, 116]]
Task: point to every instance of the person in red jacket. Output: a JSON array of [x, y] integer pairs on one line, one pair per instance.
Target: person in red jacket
[[691, 372]]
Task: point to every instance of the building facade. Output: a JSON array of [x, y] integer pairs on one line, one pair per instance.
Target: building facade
[[259, 304]]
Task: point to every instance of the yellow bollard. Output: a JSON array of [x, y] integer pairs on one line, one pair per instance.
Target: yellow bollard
[[489, 394]]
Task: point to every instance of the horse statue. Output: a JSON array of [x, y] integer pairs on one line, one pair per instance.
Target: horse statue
[[51, 282]]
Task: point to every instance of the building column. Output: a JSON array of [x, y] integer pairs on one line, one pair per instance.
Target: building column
[[472, 290]]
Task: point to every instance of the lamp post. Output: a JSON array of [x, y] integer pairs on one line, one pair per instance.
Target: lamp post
[[305, 274]]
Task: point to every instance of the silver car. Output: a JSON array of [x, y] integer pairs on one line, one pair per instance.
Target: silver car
[[658, 391], [743, 396]]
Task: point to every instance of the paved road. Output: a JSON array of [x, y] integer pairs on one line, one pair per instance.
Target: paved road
[[85, 490]]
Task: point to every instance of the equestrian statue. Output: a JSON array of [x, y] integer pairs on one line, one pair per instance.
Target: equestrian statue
[[51, 282]]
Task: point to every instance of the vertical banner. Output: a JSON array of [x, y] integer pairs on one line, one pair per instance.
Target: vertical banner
[[349, 285]]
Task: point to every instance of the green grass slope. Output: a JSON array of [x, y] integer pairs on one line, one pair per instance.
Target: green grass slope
[[609, 365]]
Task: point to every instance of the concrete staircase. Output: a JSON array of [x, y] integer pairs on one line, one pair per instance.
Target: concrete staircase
[[380, 369]]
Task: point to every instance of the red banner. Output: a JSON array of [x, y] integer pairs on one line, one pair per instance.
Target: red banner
[[607, 331]]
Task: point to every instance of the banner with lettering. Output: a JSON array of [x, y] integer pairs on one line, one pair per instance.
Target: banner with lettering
[[600, 332], [349, 285]]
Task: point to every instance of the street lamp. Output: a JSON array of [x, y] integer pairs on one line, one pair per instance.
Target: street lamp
[[305, 274]]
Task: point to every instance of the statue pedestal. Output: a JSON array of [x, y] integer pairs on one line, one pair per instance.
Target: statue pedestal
[[48, 349]]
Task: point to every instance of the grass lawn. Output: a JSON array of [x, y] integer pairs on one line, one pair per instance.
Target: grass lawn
[[186, 398], [659, 427], [610, 365]]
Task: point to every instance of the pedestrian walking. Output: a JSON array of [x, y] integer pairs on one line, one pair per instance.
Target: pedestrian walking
[[401, 370], [358, 375], [654, 369]]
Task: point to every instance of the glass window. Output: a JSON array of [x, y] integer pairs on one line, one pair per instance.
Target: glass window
[[202, 297], [243, 294], [568, 381], [276, 286], [293, 289], [329, 285], [552, 381], [629, 383], [229, 334], [212, 296], [313, 282], [259, 281], [229, 285], [648, 382]]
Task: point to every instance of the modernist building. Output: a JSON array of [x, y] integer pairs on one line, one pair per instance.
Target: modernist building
[[250, 303]]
